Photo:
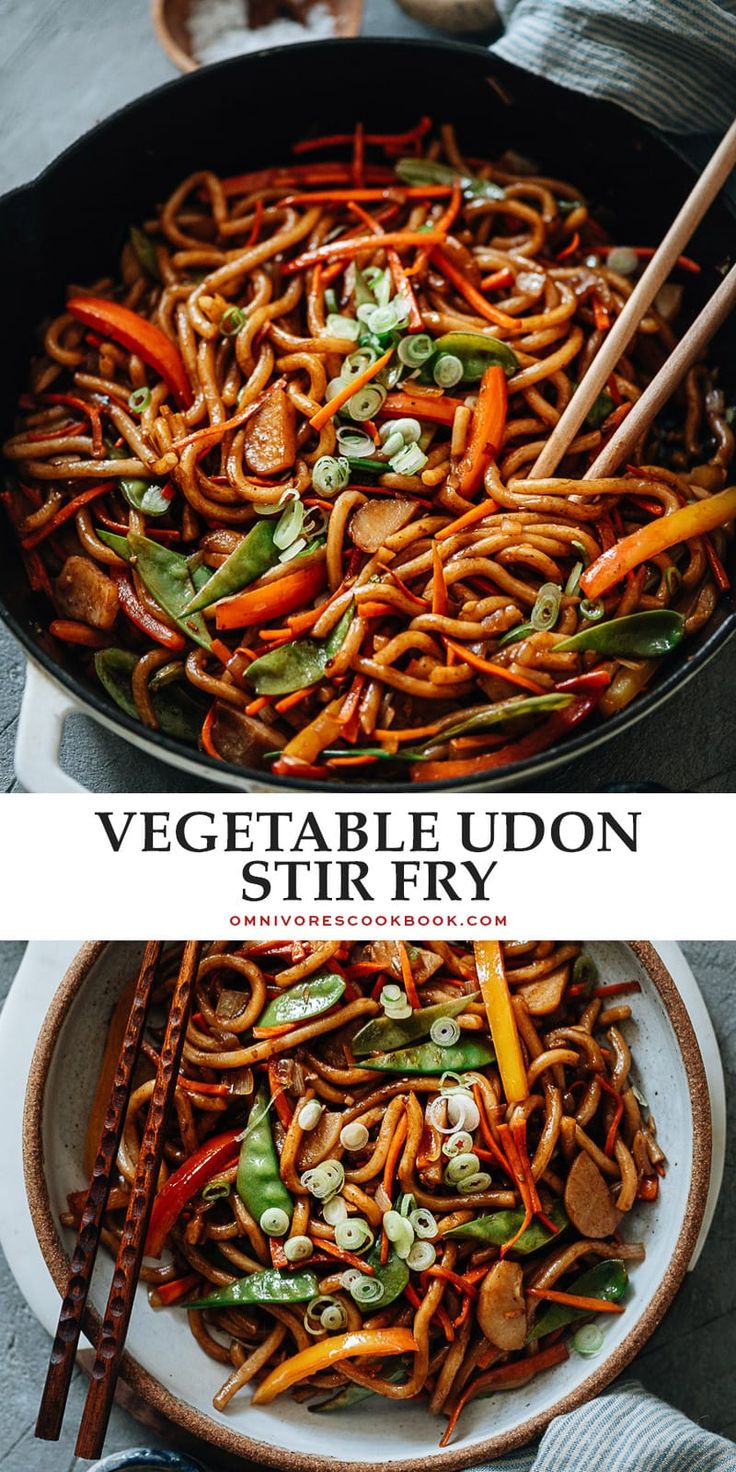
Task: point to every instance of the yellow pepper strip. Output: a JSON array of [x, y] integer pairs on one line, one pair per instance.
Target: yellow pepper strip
[[501, 1020], [327, 1352], [640, 546]]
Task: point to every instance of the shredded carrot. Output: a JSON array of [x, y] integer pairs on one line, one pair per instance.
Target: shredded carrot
[[278, 1256], [437, 1271], [489, 667], [498, 279], [384, 1248], [487, 428], [577, 1300], [720, 576], [439, 584], [395, 194], [392, 1157], [167, 1293], [435, 407], [280, 1102], [617, 989], [206, 738], [323, 1244], [257, 705], [447, 220], [380, 140], [518, 1371], [570, 248], [257, 222], [646, 251], [277, 1031], [468, 518], [372, 609], [63, 514], [617, 1114], [295, 698], [197, 1086], [408, 978], [77, 633], [348, 248], [327, 411], [601, 316], [473, 297]]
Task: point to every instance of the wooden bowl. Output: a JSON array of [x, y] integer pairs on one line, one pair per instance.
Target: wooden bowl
[[171, 25], [165, 1367]]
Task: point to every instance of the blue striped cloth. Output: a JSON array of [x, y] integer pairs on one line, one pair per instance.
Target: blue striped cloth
[[624, 1430], [671, 62]]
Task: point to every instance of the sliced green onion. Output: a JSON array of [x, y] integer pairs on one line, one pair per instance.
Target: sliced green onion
[[380, 283], [424, 1223], [354, 443], [584, 971], [592, 611], [231, 321], [447, 370], [339, 326], [573, 582], [367, 402], [330, 474], [409, 461], [457, 1143], [310, 1114], [366, 1290], [463, 1112], [393, 443], [298, 1249], [672, 580], [357, 362], [317, 1306], [350, 1276], [293, 549], [479, 1181], [274, 1221], [407, 1204], [463, 1165], [400, 1232], [331, 299], [354, 1235], [335, 1211], [450, 1082], [623, 260], [325, 1180], [588, 1339], [409, 429], [546, 609], [444, 1032], [392, 993], [139, 400], [289, 525], [415, 350], [379, 319], [421, 1257], [334, 1317], [354, 1136], [216, 1190]]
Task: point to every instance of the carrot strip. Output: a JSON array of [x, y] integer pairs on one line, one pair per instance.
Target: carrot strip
[[489, 667], [646, 251], [168, 1293], [194, 1086], [381, 140], [468, 518], [72, 632], [437, 1271], [577, 1300], [63, 514], [720, 576], [327, 411], [570, 248], [347, 249], [518, 1371], [295, 698], [486, 432], [205, 734], [392, 1158], [473, 297], [498, 279], [648, 1188], [408, 977], [323, 1244], [256, 226]]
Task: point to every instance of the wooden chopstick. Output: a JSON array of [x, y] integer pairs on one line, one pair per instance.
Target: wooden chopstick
[[114, 1328], [69, 1327], [617, 340], [665, 382]]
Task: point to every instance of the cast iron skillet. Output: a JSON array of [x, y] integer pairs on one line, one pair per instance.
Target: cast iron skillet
[[69, 224]]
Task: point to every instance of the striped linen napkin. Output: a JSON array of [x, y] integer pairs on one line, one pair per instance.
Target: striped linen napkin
[[624, 1430]]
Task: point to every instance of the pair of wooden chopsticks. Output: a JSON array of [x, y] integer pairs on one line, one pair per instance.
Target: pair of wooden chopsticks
[[686, 353], [114, 1328]]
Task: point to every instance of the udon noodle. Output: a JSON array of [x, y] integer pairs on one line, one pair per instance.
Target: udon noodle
[[273, 480], [392, 1170]]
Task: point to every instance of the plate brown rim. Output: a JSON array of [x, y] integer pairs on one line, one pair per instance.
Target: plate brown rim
[[237, 1443]]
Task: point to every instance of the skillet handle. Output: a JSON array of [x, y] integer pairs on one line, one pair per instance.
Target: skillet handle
[[43, 714]]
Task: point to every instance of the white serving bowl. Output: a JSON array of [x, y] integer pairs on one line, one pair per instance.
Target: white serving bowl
[[164, 1365]]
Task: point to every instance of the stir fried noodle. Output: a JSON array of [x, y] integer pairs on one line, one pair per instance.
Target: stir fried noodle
[[274, 478], [392, 1170]]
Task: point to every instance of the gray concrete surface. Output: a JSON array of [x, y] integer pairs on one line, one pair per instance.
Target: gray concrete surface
[[62, 67], [689, 1361]]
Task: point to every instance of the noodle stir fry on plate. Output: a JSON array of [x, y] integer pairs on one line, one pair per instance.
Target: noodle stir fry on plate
[[274, 479], [393, 1170]]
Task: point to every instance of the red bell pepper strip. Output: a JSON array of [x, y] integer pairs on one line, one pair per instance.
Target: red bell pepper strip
[[214, 1157], [273, 600], [527, 746], [598, 679], [145, 621], [139, 336], [64, 514]]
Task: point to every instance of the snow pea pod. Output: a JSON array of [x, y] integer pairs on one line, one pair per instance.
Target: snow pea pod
[[385, 1034], [297, 665], [168, 577], [507, 712], [429, 1058], [500, 1227], [477, 352], [607, 1280], [177, 710], [251, 558], [393, 1275], [268, 1286], [307, 999], [145, 251], [636, 636], [258, 1182], [142, 495], [350, 1395], [419, 171]]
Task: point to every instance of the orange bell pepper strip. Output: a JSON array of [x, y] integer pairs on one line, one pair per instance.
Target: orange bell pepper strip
[[139, 336], [272, 600], [308, 743], [434, 407], [494, 990], [648, 541], [486, 433], [328, 1352]]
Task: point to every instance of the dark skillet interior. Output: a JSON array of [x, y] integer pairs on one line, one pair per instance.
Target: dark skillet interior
[[69, 226]]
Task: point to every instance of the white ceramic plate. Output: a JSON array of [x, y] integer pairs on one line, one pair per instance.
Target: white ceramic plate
[[165, 1365]]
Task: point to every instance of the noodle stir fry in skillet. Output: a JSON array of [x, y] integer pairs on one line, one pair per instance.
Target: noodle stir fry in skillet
[[390, 1169], [274, 479]]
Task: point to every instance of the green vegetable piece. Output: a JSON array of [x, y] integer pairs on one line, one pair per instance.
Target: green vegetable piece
[[364, 297], [251, 558], [636, 636], [351, 1395], [418, 171], [600, 410], [271, 1285], [145, 251], [307, 999], [258, 1182], [607, 1280], [179, 713], [429, 1059], [294, 666], [507, 712], [477, 352], [144, 495], [384, 1034], [393, 1275], [168, 578], [522, 631], [500, 1227]]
